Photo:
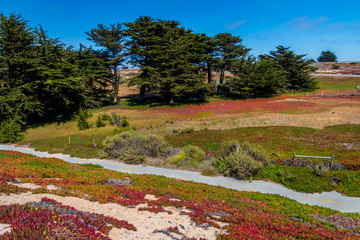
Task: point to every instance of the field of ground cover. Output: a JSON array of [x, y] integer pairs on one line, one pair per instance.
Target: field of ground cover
[[215, 210], [321, 125]]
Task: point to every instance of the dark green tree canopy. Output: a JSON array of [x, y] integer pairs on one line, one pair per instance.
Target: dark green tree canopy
[[256, 78], [111, 40], [297, 67], [228, 50], [327, 56], [169, 58]]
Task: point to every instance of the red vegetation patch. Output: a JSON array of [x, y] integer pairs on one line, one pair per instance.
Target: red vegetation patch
[[242, 106]]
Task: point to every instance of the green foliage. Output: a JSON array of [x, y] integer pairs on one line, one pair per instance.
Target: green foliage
[[327, 56], [229, 147], [168, 56], [239, 165], [297, 68], [10, 131], [133, 147], [256, 78], [229, 50], [256, 152], [188, 130], [106, 117], [335, 66], [99, 121], [110, 39], [189, 156], [124, 122], [241, 160], [82, 120], [320, 169], [118, 121]]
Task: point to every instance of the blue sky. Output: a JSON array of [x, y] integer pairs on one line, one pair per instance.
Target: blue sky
[[308, 27]]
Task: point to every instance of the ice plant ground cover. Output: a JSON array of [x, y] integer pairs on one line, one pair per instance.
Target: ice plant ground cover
[[242, 215]]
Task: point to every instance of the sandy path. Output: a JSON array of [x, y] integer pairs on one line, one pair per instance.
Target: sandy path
[[145, 222]]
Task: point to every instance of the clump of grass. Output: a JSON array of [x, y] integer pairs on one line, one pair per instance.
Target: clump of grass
[[189, 156], [133, 147], [241, 160]]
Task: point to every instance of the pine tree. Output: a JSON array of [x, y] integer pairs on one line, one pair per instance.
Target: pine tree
[[297, 67], [110, 39]]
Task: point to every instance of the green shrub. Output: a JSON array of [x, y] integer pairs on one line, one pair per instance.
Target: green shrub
[[115, 119], [133, 147], [320, 169], [335, 66], [124, 122], [257, 152], [118, 121], [229, 147], [106, 117], [188, 156], [188, 130], [82, 120], [100, 122], [10, 131], [241, 160], [241, 165]]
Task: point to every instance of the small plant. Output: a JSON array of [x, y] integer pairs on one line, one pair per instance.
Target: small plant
[[335, 66], [100, 122], [188, 130], [82, 120], [320, 169], [257, 152], [106, 117], [124, 122], [118, 121], [241, 160], [241, 165], [189, 156], [10, 131]]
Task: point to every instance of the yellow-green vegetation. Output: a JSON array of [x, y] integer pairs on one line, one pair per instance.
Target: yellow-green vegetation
[[189, 156], [338, 83]]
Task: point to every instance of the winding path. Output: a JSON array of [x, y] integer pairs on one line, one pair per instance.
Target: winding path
[[332, 200]]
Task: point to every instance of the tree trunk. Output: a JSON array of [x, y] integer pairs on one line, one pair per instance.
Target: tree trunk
[[222, 74], [141, 96], [209, 73]]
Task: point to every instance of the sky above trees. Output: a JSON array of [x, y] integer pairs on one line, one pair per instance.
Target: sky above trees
[[308, 27]]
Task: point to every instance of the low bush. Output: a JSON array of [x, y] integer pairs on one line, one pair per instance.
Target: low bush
[[82, 120], [100, 122], [230, 147], [133, 147], [106, 117], [118, 121], [320, 169], [241, 160], [257, 152], [188, 130], [10, 131], [188, 156], [240, 165]]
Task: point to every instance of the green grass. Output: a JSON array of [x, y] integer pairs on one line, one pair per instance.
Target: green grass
[[304, 180], [338, 83], [282, 142]]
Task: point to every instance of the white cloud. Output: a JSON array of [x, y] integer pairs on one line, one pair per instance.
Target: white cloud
[[235, 25], [301, 23]]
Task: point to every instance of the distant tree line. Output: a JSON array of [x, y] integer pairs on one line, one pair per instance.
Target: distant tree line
[[40, 77]]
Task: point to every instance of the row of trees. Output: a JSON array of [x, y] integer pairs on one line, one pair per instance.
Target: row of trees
[[39, 76]]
